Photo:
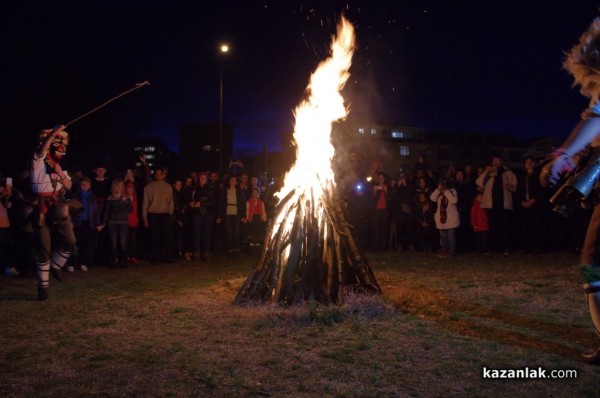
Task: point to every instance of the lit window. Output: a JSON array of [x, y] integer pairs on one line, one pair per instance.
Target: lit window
[[206, 148], [149, 156], [397, 134], [361, 130], [404, 150], [373, 131]]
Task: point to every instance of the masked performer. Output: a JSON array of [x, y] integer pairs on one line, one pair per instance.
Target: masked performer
[[583, 63], [51, 217]]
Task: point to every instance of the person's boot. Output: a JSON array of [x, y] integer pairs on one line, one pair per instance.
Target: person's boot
[[42, 293], [592, 358]]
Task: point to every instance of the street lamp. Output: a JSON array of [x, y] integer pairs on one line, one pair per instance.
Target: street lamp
[[224, 50]]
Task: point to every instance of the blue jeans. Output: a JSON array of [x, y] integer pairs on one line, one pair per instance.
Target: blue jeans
[[118, 239], [448, 240]]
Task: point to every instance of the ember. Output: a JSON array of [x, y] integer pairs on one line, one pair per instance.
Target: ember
[[309, 252]]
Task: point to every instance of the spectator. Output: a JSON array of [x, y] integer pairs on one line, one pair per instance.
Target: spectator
[[425, 223], [157, 209], [401, 212], [423, 166], [101, 189], [178, 219], [530, 196], [6, 262], [201, 201], [465, 190], [446, 217], [116, 219], [133, 223], [256, 219], [359, 210], [498, 185], [380, 216], [232, 213], [85, 225], [479, 222]]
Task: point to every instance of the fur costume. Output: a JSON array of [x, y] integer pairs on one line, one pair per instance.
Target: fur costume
[[583, 62]]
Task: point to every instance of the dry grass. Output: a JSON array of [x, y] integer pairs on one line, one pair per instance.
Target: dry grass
[[172, 331]]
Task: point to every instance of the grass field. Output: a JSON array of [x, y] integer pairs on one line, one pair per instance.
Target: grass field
[[171, 330]]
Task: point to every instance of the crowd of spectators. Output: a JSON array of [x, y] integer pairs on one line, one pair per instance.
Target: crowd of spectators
[[487, 209], [136, 215]]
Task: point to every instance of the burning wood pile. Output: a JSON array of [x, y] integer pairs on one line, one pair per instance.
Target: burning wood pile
[[309, 252]]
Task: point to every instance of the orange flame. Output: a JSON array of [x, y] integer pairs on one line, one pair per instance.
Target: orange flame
[[312, 174]]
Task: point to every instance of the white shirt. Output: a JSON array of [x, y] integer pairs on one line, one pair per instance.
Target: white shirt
[[41, 182]]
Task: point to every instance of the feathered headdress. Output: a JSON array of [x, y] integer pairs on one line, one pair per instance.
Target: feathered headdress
[[583, 62]]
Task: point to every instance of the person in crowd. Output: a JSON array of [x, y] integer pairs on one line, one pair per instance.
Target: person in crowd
[[423, 187], [101, 189], [178, 219], [116, 219], [218, 231], [19, 211], [450, 174], [469, 173], [499, 184], [133, 221], [479, 223], [6, 257], [375, 167], [583, 63], [244, 185], [446, 217], [425, 223], [256, 220], [422, 169], [215, 180], [401, 214], [85, 225], [235, 168], [466, 193], [188, 228], [270, 197], [530, 199], [380, 215], [232, 213], [51, 214], [157, 209], [255, 183], [359, 205], [201, 203]]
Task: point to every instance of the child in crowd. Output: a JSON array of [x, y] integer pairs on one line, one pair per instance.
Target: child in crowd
[[479, 222], [85, 225], [256, 219]]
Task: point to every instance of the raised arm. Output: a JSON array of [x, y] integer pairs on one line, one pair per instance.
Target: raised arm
[[43, 148]]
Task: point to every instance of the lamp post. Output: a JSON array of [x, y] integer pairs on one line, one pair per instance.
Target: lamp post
[[224, 50]]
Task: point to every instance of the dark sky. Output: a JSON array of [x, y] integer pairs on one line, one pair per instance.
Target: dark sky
[[483, 66]]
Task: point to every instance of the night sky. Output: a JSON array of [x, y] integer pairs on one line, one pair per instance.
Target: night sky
[[489, 67]]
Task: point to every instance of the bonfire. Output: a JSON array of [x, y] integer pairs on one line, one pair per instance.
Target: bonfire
[[309, 252]]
